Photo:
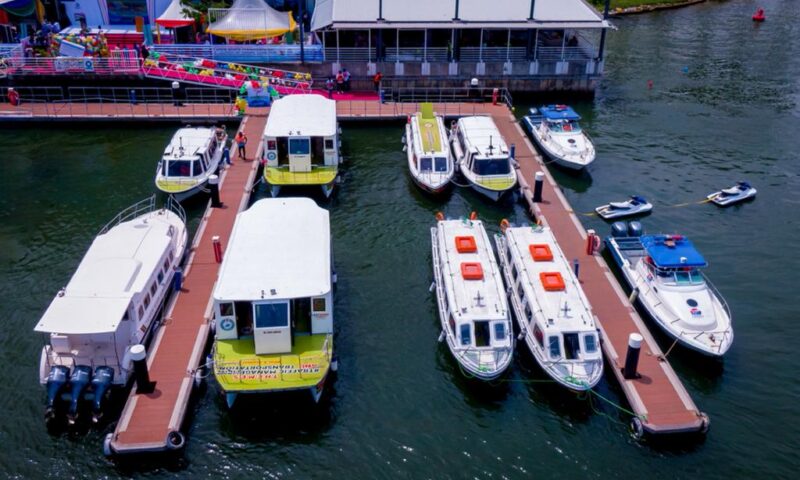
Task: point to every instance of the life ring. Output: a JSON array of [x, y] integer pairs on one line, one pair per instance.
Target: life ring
[[504, 225], [175, 440], [473, 215], [226, 324], [270, 155], [439, 216]]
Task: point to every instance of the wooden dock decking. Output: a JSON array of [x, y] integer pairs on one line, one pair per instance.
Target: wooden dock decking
[[657, 398], [177, 350]]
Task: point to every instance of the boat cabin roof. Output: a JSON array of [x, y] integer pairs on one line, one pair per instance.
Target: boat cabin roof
[[472, 295], [280, 248], [427, 128], [672, 251], [535, 253], [188, 142], [302, 115], [480, 133], [117, 266], [559, 112]]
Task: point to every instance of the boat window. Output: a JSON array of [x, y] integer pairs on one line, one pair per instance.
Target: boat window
[[162, 166], [688, 276], [160, 276], [226, 309], [499, 331], [591, 343], [328, 144], [166, 265], [482, 334], [153, 288], [493, 166], [440, 164], [125, 317], [464, 333], [572, 347], [452, 324], [319, 305], [272, 145], [527, 311], [197, 166], [147, 300], [555, 347], [141, 312], [425, 164], [299, 146], [178, 168], [514, 273], [271, 315]]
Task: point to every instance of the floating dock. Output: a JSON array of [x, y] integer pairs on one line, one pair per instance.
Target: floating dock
[[152, 422], [658, 398]]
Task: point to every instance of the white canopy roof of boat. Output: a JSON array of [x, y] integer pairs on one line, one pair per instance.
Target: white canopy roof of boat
[[174, 17], [116, 267], [250, 20], [480, 132], [410, 14], [193, 140], [302, 115], [280, 245]]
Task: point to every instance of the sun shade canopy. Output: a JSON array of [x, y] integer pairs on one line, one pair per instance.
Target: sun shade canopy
[[174, 16], [672, 251], [251, 20]]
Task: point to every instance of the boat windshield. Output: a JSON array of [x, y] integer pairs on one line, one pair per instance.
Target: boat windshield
[[679, 276], [492, 166], [565, 126], [436, 164], [425, 164], [179, 168], [441, 164]]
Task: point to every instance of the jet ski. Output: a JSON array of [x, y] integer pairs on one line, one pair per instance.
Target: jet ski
[[635, 205], [735, 194]]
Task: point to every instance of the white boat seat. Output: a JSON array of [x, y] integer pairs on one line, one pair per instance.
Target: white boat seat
[[731, 191], [619, 205]]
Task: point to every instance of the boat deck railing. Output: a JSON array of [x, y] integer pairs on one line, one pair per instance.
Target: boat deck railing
[[478, 95], [143, 207], [125, 95], [72, 360]]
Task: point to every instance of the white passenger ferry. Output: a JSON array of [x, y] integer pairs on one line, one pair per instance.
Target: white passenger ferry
[[429, 158], [110, 304], [273, 301], [482, 156], [193, 155], [550, 308], [301, 143], [471, 298]]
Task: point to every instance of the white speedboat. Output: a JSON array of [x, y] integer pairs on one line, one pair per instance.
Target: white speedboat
[[482, 156], [556, 130], [273, 301], [301, 144], [109, 305], [429, 159], [635, 205], [550, 308], [193, 155], [665, 272], [471, 298], [735, 194]]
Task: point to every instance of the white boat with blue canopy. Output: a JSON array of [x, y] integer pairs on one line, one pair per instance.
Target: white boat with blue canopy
[[735, 194], [557, 132], [635, 205], [665, 271]]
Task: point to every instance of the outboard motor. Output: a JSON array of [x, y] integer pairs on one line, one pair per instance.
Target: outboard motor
[[56, 380], [619, 230], [80, 380], [635, 229], [103, 378]]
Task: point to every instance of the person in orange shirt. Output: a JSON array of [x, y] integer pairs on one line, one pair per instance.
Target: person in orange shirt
[[241, 143]]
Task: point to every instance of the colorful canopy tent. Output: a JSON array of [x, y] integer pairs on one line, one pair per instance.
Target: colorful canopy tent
[[251, 20], [174, 16]]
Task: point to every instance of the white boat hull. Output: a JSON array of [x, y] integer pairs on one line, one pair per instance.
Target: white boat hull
[[575, 161], [430, 182], [713, 343]]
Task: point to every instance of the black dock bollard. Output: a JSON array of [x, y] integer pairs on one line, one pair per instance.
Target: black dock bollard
[[213, 185], [632, 357], [175, 101], [538, 184], [139, 357]]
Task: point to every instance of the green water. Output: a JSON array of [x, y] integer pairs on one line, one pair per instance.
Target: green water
[[399, 408]]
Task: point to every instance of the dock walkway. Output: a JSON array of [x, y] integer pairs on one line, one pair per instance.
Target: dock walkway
[[153, 421], [658, 398]]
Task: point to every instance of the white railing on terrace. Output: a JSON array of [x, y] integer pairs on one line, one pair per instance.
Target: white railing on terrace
[[416, 54], [349, 54], [557, 53], [491, 54], [121, 62], [246, 53]]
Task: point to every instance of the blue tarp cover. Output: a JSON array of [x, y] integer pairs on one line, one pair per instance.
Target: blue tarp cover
[[559, 112], [683, 254]]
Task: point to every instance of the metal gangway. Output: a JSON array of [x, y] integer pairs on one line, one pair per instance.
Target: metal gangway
[[227, 75]]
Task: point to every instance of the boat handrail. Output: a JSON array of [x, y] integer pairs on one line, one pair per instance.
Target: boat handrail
[[143, 207], [49, 363], [719, 296]]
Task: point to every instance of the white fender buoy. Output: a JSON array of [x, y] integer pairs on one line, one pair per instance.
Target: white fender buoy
[[175, 440], [335, 364], [637, 429], [107, 450], [432, 287]]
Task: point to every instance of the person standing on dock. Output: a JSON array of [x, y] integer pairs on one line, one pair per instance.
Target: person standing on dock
[[329, 87], [376, 81], [339, 82], [346, 78], [241, 143], [13, 97]]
